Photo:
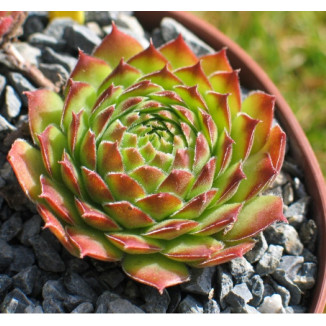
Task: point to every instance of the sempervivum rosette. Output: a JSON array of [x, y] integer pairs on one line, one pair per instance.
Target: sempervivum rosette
[[151, 159]]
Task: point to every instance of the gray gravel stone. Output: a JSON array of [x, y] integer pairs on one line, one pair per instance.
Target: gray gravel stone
[[26, 279], [281, 179], [41, 41], [12, 103], [6, 255], [157, 37], [77, 265], [67, 61], [34, 23], [284, 293], [31, 309], [171, 29], [258, 250], [112, 277], [81, 37], [30, 53], [268, 290], [308, 234], [211, 307], [101, 17], [175, 299], [241, 269], [52, 306], [286, 236], [256, 286], [299, 188], [23, 257], [55, 72], [296, 213], [296, 309], [15, 302], [5, 284], [75, 284], [83, 308], [56, 27], [54, 289], [3, 82], [155, 302], [246, 309], [5, 125], [309, 256], [306, 277], [189, 305], [270, 260], [225, 282], [72, 301], [288, 194], [276, 191], [239, 295], [30, 228], [109, 302], [291, 265], [47, 258], [200, 282], [21, 84], [272, 304]]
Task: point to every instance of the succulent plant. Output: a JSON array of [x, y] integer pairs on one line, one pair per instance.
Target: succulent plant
[[152, 159]]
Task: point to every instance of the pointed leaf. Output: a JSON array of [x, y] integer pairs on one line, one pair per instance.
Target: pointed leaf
[[215, 62], [88, 150], [124, 187], [27, 164], [95, 218], [128, 215], [160, 205], [255, 216], [182, 159], [178, 53], [117, 45], [93, 244], [131, 158], [155, 270], [76, 130], [134, 244], [170, 229], [44, 108], [95, 186], [224, 152], [101, 120], [90, 70], [202, 153], [109, 158], [194, 208]]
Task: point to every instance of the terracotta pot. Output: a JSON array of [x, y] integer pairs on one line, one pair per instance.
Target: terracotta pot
[[253, 77]]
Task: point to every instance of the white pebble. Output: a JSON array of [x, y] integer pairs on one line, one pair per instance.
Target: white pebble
[[272, 305]]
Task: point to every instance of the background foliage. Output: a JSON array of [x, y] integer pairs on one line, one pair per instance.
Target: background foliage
[[291, 48]]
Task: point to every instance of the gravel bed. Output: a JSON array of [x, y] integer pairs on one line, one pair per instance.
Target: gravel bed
[[38, 276]]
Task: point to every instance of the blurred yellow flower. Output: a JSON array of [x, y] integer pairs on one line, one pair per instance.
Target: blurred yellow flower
[[78, 16]]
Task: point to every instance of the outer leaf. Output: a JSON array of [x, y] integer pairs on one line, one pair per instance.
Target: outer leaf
[[117, 45], [27, 164], [44, 108], [215, 62], [155, 270]]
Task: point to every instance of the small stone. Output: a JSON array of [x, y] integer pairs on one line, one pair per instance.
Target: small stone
[[55, 72], [211, 307], [67, 61], [288, 194], [31, 309], [41, 41], [77, 265], [268, 290], [26, 279], [83, 308], [5, 125], [12, 103], [155, 302], [72, 301], [15, 302], [3, 83], [270, 260], [30, 53], [95, 28], [23, 257], [81, 37], [297, 309], [75, 284], [189, 305], [175, 298], [299, 187], [30, 228], [5, 284], [306, 277], [283, 279], [51, 239], [276, 191], [157, 38], [309, 256], [200, 281], [21, 84], [54, 289], [292, 169], [131, 290], [272, 304], [241, 269], [102, 18], [47, 258], [256, 286], [281, 179], [258, 250], [34, 23], [239, 295], [171, 29], [109, 302], [286, 236], [291, 265], [6, 255], [129, 22], [246, 309], [52, 306], [56, 27], [225, 282], [308, 234], [112, 277], [284, 293], [296, 213]]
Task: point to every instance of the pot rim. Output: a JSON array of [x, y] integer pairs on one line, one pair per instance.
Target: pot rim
[[252, 74]]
